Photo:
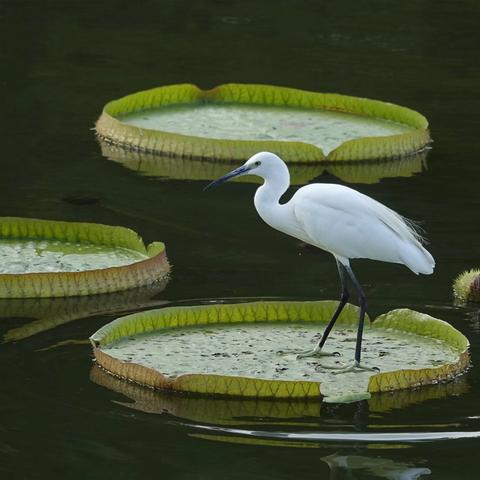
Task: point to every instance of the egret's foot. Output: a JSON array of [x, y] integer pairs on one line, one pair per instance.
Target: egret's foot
[[312, 352], [316, 352], [355, 367]]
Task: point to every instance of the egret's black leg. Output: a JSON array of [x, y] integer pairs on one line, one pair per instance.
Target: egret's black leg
[[343, 300], [317, 350], [362, 300]]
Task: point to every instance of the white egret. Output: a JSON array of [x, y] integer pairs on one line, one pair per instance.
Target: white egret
[[341, 221]]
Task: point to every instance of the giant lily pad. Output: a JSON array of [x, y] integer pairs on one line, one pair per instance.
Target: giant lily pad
[[232, 122], [232, 349], [165, 167], [42, 258]]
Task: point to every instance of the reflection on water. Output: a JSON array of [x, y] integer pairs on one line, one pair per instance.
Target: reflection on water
[[230, 411], [48, 313], [474, 320], [397, 439], [188, 169], [386, 401], [219, 411], [359, 466]]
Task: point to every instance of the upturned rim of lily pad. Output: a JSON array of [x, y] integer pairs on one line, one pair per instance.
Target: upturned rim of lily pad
[[89, 282], [110, 128], [401, 320]]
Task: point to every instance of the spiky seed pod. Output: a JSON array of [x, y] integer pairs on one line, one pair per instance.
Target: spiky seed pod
[[466, 287]]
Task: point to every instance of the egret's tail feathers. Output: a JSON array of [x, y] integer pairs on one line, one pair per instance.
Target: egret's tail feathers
[[418, 260], [416, 229], [416, 257]]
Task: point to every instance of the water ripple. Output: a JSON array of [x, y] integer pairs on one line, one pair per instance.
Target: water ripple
[[346, 437]]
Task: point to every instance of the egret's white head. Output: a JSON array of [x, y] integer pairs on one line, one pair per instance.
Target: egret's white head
[[263, 164]]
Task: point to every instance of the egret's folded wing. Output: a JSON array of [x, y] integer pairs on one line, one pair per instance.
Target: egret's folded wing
[[345, 203]]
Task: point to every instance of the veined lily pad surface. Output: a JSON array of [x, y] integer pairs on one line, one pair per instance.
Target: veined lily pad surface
[[35, 256], [232, 349], [232, 122], [167, 167], [42, 258]]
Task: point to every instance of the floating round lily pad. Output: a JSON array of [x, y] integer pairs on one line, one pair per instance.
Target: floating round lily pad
[[161, 166], [43, 258], [466, 287], [232, 349], [232, 122]]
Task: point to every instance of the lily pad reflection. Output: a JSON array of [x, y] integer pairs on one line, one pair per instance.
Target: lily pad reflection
[[232, 411], [44, 314], [174, 168]]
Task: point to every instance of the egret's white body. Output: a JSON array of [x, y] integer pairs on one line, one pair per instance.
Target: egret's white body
[[337, 219]]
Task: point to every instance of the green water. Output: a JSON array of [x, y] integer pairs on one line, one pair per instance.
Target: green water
[[30, 256], [326, 130], [62, 61]]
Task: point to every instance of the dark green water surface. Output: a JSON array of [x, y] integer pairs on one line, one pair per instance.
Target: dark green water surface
[[60, 61]]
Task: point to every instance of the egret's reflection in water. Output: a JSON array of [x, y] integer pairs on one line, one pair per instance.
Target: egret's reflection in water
[[359, 466]]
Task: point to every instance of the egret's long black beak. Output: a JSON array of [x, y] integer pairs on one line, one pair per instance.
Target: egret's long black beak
[[234, 173]]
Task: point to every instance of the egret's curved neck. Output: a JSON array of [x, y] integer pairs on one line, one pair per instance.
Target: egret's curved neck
[[267, 196]]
